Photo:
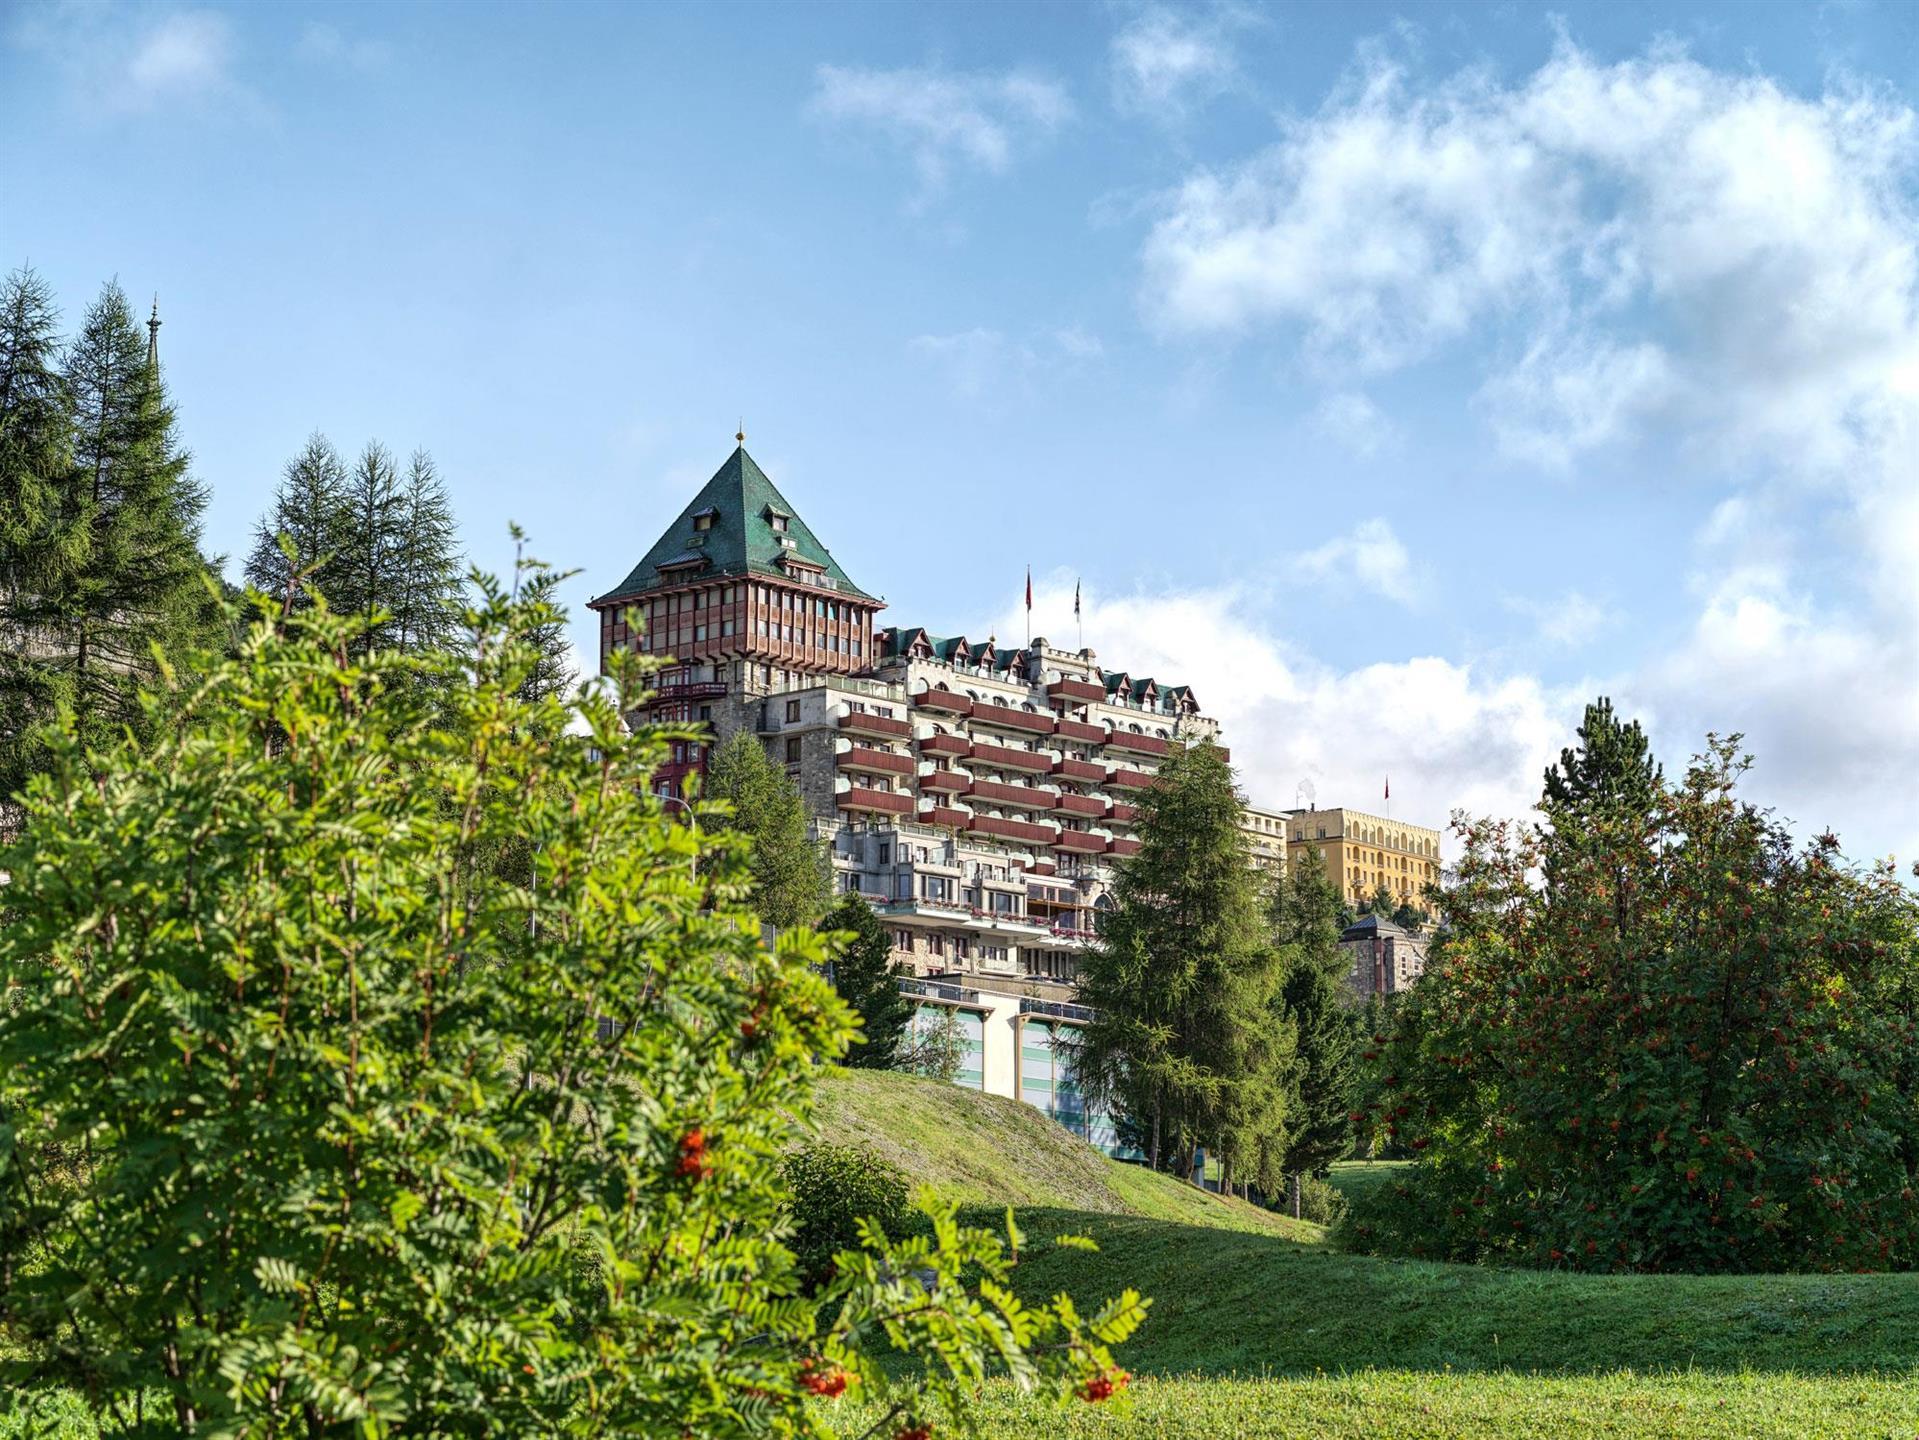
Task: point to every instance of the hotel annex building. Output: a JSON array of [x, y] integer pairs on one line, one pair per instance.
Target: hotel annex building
[[976, 794]]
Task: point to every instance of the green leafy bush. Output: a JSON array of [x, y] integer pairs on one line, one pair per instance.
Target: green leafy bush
[[1320, 1202], [373, 1139], [833, 1188], [1656, 1036]]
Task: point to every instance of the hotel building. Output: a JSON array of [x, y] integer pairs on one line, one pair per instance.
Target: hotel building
[[1362, 852], [977, 794]]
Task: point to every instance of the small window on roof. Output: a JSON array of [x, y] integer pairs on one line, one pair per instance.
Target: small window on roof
[[702, 522], [778, 522]]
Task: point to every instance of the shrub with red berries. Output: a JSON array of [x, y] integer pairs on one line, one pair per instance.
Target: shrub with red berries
[[1699, 1039], [557, 1092]]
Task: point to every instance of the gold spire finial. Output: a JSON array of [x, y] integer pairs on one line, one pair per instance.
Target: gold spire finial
[[740, 436]]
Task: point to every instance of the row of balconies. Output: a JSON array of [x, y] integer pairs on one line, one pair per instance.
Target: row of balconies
[[1032, 722], [993, 827]]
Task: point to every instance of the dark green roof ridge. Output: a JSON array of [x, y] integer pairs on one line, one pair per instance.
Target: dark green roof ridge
[[741, 541]]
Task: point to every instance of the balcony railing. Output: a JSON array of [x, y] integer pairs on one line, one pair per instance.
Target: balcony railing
[[1008, 758], [1080, 730], [947, 815], [1138, 744], [1121, 846], [1007, 718], [1023, 831], [877, 762], [878, 802], [1081, 842], [865, 723], [1083, 691], [950, 782], [945, 700], [692, 690], [1122, 813], [945, 745], [1025, 796], [1042, 867], [1080, 770], [1089, 805], [1055, 1009], [927, 990], [1130, 779]]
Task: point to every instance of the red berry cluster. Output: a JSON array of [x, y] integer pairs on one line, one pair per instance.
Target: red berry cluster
[[915, 1432], [693, 1162], [1104, 1386], [827, 1381]]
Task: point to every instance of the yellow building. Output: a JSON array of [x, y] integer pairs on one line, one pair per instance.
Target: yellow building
[[1361, 852], [1265, 832]]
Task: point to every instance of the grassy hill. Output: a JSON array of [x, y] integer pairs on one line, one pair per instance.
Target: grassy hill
[[1259, 1328], [988, 1150]]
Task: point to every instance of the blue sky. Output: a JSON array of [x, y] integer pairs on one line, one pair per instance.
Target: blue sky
[[1398, 377]]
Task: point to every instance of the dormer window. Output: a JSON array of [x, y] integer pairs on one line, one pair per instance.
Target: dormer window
[[778, 522]]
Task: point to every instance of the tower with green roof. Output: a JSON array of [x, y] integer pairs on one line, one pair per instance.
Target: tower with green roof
[[741, 595]]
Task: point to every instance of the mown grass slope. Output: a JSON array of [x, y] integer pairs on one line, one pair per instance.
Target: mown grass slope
[[982, 1149]]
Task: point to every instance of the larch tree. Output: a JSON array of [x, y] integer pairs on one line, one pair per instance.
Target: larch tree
[[120, 575], [1305, 915], [298, 543], [35, 442], [791, 883], [867, 979], [1187, 1038]]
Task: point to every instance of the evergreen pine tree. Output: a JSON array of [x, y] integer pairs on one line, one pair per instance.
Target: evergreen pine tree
[[1611, 767], [539, 587], [365, 578], [1325, 1071], [35, 441], [867, 979], [791, 884], [1184, 982], [427, 563], [125, 575], [309, 516]]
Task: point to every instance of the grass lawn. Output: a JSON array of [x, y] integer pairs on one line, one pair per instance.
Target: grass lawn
[[1260, 1329]]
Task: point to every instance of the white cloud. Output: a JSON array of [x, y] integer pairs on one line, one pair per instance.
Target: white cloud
[[1165, 62], [1648, 250], [1567, 621], [1371, 556], [328, 45], [982, 120], [1664, 238], [1451, 736], [983, 363], [1352, 419], [121, 62]]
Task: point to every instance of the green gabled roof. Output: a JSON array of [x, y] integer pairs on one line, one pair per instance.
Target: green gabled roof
[[742, 539]]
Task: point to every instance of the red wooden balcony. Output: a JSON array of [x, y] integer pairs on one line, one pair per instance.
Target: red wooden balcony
[[1042, 867], [1090, 805], [1137, 744], [1121, 813], [1081, 842], [1130, 779], [947, 815], [876, 762], [1027, 797], [1083, 691], [1123, 847], [1080, 730], [1007, 718], [1023, 831], [863, 723], [877, 802], [1080, 770], [954, 745], [692, 690], [951, 782], [944, 700], [1009, 759]]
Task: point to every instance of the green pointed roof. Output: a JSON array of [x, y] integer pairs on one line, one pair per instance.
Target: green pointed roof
[[741, 539]]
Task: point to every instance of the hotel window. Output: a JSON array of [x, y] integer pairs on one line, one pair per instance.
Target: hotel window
[[702, 522], [778, 523], [935, 944], [699, 632], [903, 940], [793, 750], [726, 627], [792, 712]]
